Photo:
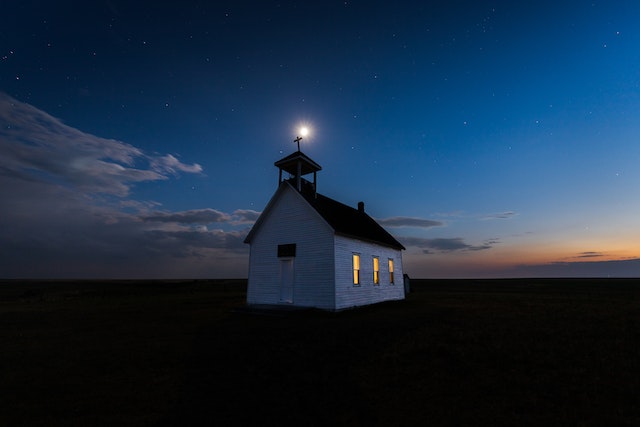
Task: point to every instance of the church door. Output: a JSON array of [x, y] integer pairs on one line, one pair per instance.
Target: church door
[[286, 280]]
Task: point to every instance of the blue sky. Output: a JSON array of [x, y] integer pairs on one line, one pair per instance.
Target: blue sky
[[492, 138]]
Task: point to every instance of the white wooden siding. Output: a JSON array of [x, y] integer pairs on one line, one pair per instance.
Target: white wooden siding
[[350, 295], [291, 220]]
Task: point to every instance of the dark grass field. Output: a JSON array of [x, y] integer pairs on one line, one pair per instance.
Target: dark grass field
[[484, 352]]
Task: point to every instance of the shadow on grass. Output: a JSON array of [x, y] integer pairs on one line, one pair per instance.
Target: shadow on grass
[[516, 352], [463, 353]]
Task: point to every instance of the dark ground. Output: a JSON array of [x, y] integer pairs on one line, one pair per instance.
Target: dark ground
[[467, 352]]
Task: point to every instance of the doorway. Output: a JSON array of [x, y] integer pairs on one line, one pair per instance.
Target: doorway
[[286, 280]]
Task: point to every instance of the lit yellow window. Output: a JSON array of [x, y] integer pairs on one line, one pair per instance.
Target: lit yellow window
[[391, 271], [376, 270], [356, 269]]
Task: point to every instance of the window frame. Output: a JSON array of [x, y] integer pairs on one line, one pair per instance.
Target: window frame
[[391, 271], [355, 268], [376, 270]]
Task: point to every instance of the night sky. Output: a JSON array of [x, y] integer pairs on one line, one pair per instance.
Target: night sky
[[492, 138]]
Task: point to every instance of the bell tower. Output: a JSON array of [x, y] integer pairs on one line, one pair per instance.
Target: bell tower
[[297, 165]]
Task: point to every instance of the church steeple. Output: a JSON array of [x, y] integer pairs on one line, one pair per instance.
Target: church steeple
[[297, 165]]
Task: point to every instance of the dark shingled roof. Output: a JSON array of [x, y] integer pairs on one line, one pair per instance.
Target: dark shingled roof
[[343, 219], [348, 221]]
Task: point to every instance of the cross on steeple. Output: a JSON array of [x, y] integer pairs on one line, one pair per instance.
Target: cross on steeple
[[298, 139]]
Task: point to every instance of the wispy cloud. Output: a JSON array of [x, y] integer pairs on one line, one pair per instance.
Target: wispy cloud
[[589, 254], [204, 216], [39, 147], [170, 164], [67, 207], [446, 244], [244, 216], [461, 215], [184, 243], [500, 215], [196, 216], [403, 221]]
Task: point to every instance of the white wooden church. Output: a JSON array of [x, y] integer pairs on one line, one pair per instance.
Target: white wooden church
[[308, 250]]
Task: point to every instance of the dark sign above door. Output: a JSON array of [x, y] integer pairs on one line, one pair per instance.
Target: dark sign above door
[[288, 250]]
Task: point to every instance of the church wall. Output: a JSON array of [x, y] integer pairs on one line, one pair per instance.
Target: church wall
[[350, 295], [291, 220]]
